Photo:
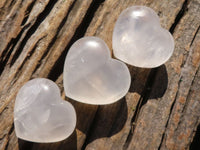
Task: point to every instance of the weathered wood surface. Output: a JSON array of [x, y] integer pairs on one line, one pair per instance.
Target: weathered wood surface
[[161, 109]]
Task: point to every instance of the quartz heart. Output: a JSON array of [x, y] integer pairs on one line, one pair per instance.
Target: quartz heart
[[139, 40], [40, 115], [92, 76]]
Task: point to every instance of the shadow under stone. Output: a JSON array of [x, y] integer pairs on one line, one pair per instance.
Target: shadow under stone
[[69, 143], [159, 83], [100, 121], [149, 83], [195, 145]]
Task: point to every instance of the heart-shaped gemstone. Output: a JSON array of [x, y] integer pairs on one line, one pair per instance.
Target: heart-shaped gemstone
[[92, 76], [139, 40], [40, 115]]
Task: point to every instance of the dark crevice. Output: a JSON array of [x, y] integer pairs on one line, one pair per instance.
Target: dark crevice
[[195, 145], [12, 3], [57, 69], [90, 130], [11, 45], [38, 21], [9, 133], [148, 86], [21, 4], [194, 36], [4, 5], [179, 16], [65, 18], [55, 37], [190, 90], [11, 129], [186, 54], [143, 100], [3, 110], [27, 12], [133, 123], [6, 146], [1, 138], [24, 62], [171, 109], [9, 49]]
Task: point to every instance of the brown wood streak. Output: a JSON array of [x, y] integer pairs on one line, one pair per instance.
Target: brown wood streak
[[161, 109]]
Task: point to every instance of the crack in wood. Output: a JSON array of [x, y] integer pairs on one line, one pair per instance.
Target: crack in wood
[[25, 60], [27, 12], [143, 99], [6, 143], [188, 52], [31, 31], [189, 93], [194, 36], [10, 22], [171, 109], [8, 135], [54, 38], [12, 3], [179, 16], [9, 49], [1, 138]]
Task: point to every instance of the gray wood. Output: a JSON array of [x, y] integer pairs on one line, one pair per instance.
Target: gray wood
[[161, 109]]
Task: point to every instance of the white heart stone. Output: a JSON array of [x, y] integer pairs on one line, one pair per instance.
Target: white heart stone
[[40, 115], [139, 40], [92, 76]]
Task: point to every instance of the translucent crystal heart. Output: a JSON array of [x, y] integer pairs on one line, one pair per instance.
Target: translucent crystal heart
[[40, 115], [92, 76], [139, 40]]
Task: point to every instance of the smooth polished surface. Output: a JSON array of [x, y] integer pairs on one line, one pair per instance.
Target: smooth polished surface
[[92, 76], [139, 40], [40, 115]]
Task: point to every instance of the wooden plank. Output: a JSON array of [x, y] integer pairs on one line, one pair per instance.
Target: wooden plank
[[161, 109]]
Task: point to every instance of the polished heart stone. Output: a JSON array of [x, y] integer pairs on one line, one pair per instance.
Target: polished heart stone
[[40, 115], [92, 76], [139, 40]]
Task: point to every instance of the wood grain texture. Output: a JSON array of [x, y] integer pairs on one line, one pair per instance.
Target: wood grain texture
[[161, 109]]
